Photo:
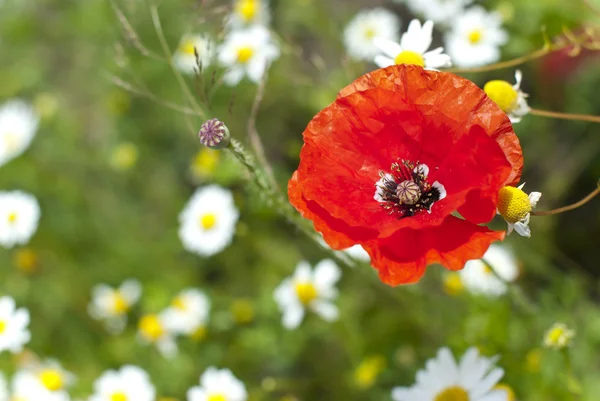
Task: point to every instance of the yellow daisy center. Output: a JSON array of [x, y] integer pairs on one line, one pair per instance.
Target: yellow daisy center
[[369, 32], [410, 57], [306, 292], [555, 335], [188, 47], [205, 162], [513, 204], [367, 372], [454, 393], [503, 94], [509, 391], [26, 260], [244, 54], [453, 285], [208, 221], [151, 327], [475, 36], [120, 304], [247, 9], [12, 217], [179, 303], [2, 326], [52, 379], [119, 396], [487, 269], [216, 397]]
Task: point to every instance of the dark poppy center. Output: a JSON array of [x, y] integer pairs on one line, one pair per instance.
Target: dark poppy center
[[405, 191]]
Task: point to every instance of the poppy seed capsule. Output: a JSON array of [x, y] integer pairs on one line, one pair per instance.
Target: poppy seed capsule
[[214, 134], [408, 192]]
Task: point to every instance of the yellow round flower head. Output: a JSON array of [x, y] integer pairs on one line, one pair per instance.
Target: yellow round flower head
[[409, 57], [513, 204], [503, 94]]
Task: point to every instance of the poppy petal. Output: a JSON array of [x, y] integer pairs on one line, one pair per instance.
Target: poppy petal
[[457, 98], [402, 258]]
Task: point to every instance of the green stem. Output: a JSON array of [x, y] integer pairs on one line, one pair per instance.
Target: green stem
[[167, 51]]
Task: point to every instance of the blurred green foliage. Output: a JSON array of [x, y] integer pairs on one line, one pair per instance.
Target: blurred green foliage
[[106, 224]]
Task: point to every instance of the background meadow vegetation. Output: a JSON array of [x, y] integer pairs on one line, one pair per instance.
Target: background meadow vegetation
[[112, 171]]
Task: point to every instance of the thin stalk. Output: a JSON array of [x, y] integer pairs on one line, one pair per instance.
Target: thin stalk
[[573, 206], [254, 138], [167, 51], [565, 116]]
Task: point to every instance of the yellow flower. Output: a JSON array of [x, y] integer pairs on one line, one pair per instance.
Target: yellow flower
[[369, 369], [559, 336], [205, 163], [515, 206], [510, 98], [26, 260], [453, 284], [533, 360]]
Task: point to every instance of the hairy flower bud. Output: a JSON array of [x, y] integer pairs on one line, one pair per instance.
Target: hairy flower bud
[[214, 134]]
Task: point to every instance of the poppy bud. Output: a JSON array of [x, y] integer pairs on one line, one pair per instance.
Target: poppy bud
[[214, 134]]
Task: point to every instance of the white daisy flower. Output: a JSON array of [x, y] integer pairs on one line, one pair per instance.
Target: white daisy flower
[[472, 379], [190, 45], [208, 221], [154, 329], [112, 304], [48, 380], [366, 26], [475, 38], [188, 312], [515, 206], [19, 216], [559, 336], [247, 52], [130, 383], [412, 48], [18, 125], [307, 289], [439, 11], [23, 391], [510, 98], [248, 12], [357, 252], [218, 385], [13, 326], [489, 275]]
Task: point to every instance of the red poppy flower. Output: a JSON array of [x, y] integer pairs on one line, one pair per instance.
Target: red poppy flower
[[389, 161]]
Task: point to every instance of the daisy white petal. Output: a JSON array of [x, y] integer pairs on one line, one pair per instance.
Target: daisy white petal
[[18, 125], [367, 25], [307, 289], [443, 379], [208, 221]]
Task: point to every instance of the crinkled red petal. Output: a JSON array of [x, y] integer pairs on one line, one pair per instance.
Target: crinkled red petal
[[402, 258], [343, 156], [448, 97]]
